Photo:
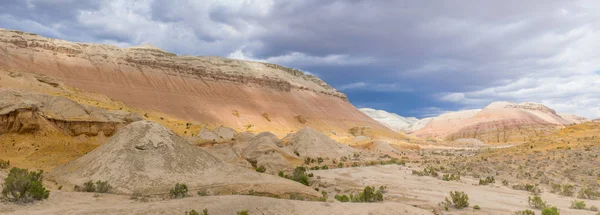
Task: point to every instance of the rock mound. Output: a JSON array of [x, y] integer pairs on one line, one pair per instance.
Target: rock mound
[[219, 134], [311, 143], [574, 119], [265, 149], [146, 158]]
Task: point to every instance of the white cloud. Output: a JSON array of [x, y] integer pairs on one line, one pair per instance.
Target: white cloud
[[375, 87], [577, 94]]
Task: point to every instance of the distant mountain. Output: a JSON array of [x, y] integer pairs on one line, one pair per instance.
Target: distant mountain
[[390, 120], [499, 122]]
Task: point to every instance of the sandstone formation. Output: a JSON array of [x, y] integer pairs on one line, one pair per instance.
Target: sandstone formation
[[145, 157], [214, 90], [308, 142], [499, 122], [24, 112]]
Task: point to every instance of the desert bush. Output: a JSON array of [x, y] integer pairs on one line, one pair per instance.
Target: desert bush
[[504, 182], [323, 196], [281, 174], [579, 205], [235, 113], [537, 202], [103, 187], [556, 188], [242, 212], [4, 164], [319, 160], [451, 177], [458, 200], [476, 207], [340, 165], [23, 186], [179, 191], [342, 198], [369, 194], [192, 212], [525, 212], [528, 187], [299, 175], [428, 171], [588, 193], [550, 211], [593, 208], [261, 169], [567, 190], [487, 180]]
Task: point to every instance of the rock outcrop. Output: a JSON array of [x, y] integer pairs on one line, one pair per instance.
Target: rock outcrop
[[202, 89], [145, 157], [24, 112]]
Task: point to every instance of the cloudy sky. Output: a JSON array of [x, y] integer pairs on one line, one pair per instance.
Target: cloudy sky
[[415, 58]]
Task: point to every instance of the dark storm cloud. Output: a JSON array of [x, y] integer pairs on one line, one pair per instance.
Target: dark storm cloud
[[450, 53]]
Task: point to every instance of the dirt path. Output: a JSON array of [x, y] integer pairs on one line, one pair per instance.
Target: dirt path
[[426, 192]]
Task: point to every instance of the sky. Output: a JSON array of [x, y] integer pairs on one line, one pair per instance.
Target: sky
[[414, 58]]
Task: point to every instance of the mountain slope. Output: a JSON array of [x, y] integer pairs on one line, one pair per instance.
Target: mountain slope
[[239, 94]]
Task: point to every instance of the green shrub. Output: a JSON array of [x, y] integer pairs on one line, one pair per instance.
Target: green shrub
[[23, 186], [528, 187], [458, 200], [103, 187], [588, 193], [299, 175], [90, 186], [550, 211], [487, 180], [525, 212], [428, 171], [579, 205], [319, 160], [179, 191], [369, 194], [556, 188], [567, 190], [281, 174], [192, 212], [340, 165], [476, 207], [261, 169], [325, 167], [451, 177], [537, 202], [243, 212], [323, 196], [4, 164], [342, 198]]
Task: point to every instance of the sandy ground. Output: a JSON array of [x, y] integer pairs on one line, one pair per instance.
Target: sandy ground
[[426, 192], [84, 203]]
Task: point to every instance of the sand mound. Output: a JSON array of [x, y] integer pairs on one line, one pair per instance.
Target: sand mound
[[265, 149], [145, 157], [311, 143]]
